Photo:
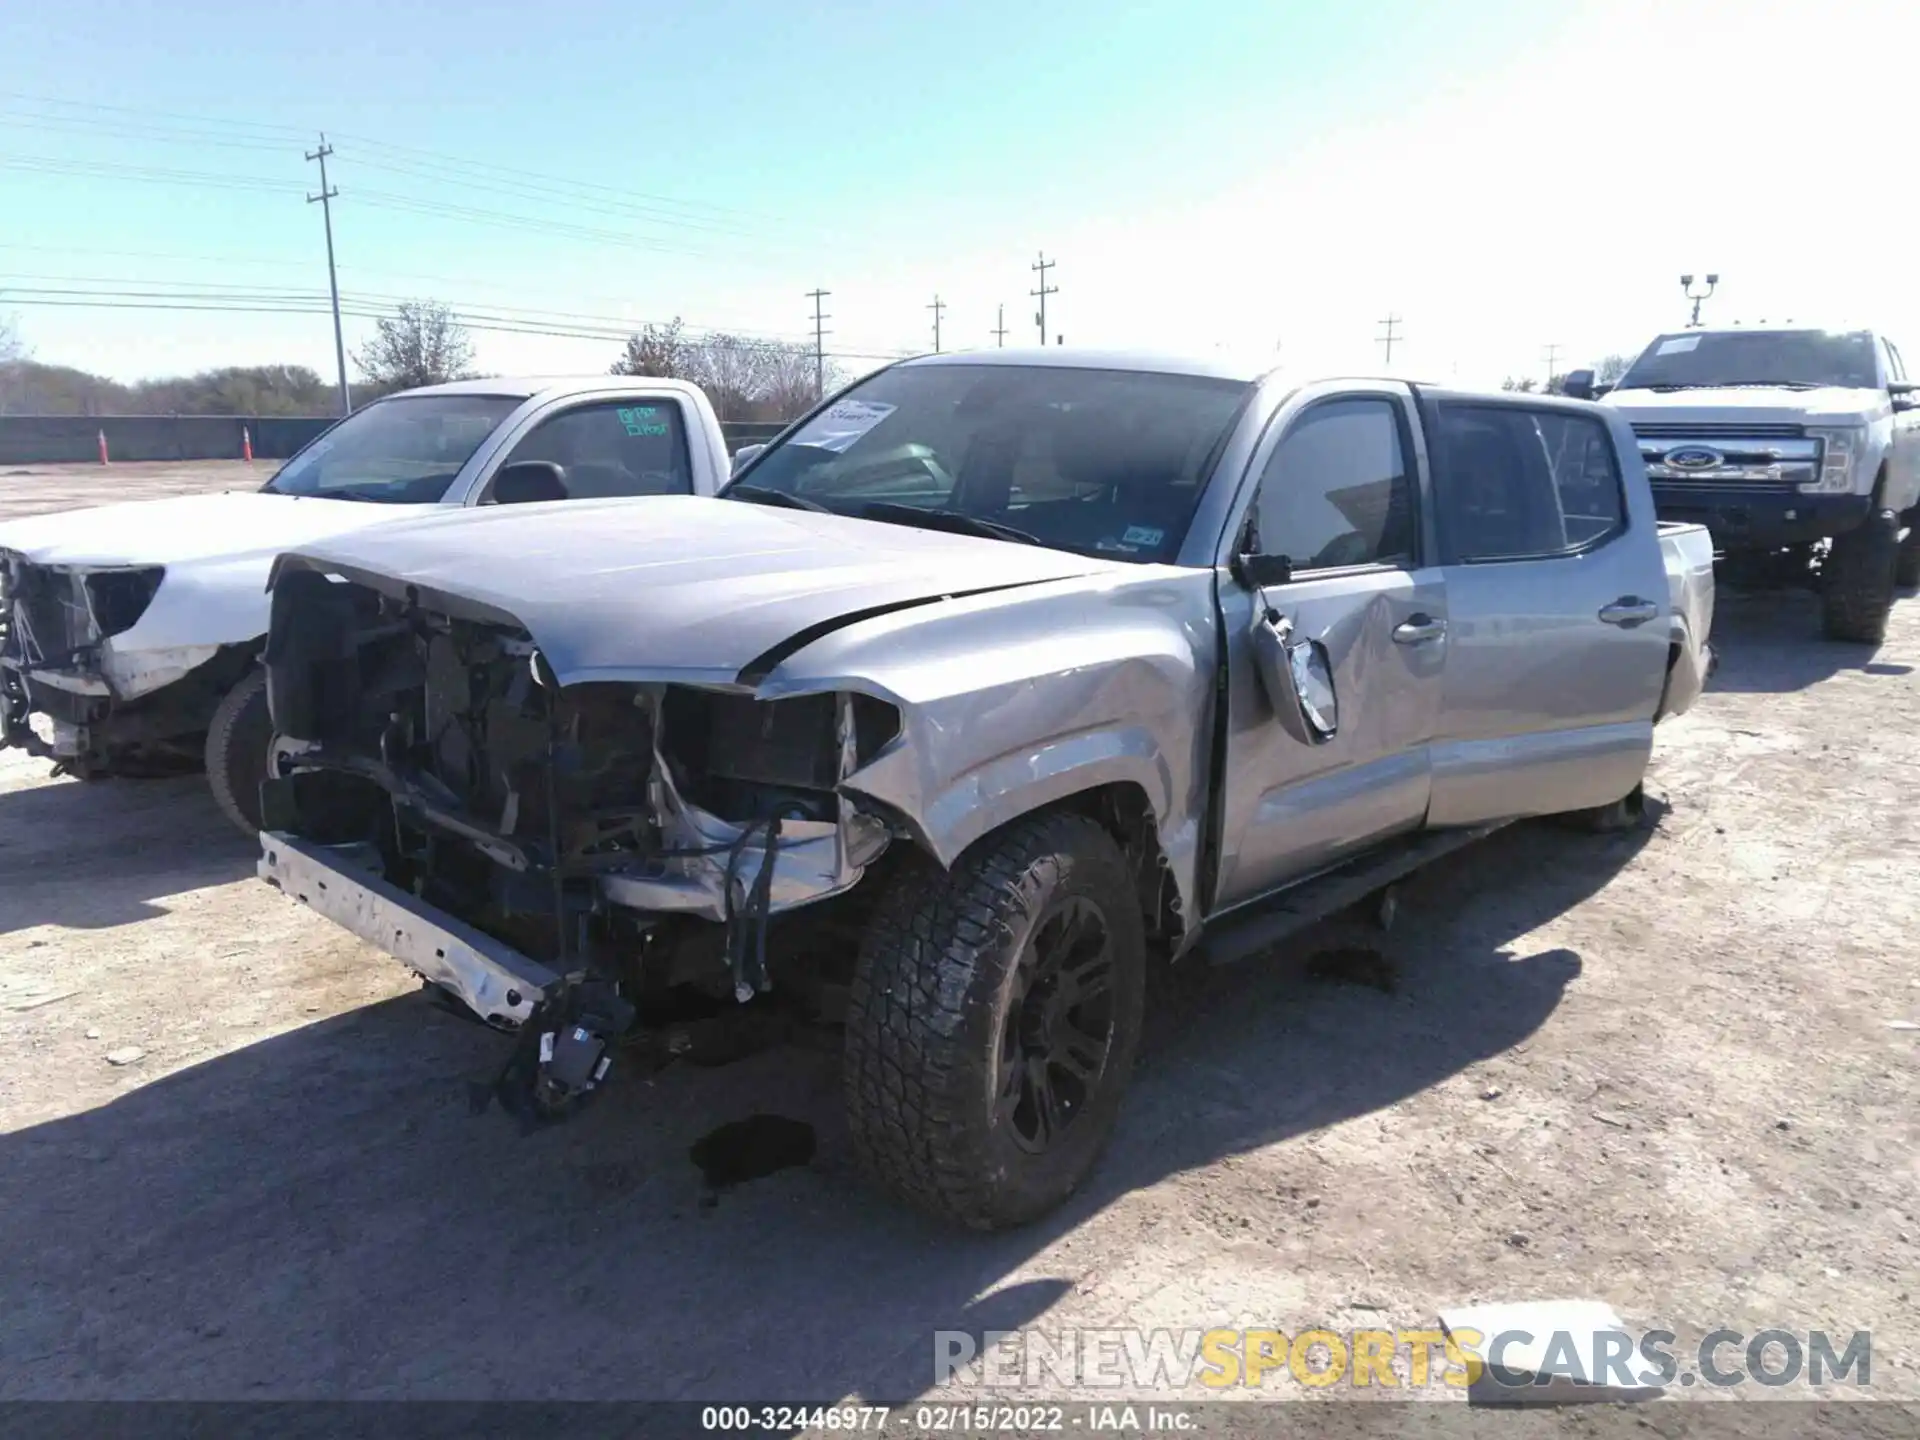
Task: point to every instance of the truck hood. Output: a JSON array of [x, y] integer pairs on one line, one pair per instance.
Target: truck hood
[[189, 528], [677, 588], [1750, 405]]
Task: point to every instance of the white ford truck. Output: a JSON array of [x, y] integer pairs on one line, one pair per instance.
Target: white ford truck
[[130, 634], [1783, 441]]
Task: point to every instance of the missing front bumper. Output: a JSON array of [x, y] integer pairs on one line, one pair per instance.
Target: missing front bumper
[[495, 981]]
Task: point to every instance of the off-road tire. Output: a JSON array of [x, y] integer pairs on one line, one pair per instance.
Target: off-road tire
[[929, 1006], [237, 745], [1858, 591], [1906, 569]]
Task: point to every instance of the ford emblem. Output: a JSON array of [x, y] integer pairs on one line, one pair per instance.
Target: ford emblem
[[1694, 457]]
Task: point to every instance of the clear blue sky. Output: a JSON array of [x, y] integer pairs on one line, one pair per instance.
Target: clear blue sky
[[1233, 173]]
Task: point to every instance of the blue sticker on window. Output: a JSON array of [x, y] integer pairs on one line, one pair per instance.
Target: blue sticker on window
[[1143, 535], [643, 420]]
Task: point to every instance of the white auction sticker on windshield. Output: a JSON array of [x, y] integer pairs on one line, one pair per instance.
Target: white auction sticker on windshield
[[1679, 345], [842, 423]]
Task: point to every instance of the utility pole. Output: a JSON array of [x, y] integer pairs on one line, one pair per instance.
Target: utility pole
[[938, 307], [1042, 266], [819, 344], [1553, 353], [1387, 336], [1686, 289], [1000, 326], [325, 197]]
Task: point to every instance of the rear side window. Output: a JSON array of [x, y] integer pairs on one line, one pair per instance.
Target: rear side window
[[615, 447], [1522, 484], [1337, 489]]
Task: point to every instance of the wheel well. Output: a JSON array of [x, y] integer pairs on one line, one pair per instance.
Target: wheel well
[[1123, 811]]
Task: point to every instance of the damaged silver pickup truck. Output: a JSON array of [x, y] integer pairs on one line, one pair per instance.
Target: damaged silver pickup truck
[[985, 689]]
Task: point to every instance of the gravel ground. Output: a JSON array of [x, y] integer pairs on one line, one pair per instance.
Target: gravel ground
[[1656, 1069]]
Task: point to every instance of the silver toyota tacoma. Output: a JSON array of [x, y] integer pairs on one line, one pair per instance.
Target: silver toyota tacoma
[[987, 690]]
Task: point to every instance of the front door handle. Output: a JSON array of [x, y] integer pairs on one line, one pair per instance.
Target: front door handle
[[1629, 611], [1418, 629]]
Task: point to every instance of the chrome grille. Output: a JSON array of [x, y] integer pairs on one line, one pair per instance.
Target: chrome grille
[[1772, 456]]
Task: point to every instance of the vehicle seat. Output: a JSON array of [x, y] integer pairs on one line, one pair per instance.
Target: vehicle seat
[[1142, 466], [1504, 505]]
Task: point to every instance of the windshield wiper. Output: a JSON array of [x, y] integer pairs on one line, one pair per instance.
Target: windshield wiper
[[957, 522], [761, 495]]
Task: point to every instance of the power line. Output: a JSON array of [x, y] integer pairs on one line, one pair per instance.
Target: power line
[[218, 130], [1000, 326], [1388, 337], [1042, 266], [819, 344], [326, 198], [318, 305], [938, 307]]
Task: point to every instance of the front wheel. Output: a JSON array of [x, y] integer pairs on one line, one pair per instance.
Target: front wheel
[[1857, 593], [237, 745], [993, 1020]]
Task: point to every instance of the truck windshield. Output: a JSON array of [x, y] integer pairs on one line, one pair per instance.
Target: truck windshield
[[1102, 462], [1694, 359], [400, 451]]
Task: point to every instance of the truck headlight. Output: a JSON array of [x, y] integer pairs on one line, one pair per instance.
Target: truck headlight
[[1839, 456], [118, 598]]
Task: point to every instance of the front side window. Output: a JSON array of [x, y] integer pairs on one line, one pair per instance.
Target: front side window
[[1788, 359], [401, 451], [1337, 489], [614, 447], [1101, 462], [1522, 484]]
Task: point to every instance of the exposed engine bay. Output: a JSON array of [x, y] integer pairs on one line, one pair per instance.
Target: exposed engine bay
[[628, 839], [107, 712]]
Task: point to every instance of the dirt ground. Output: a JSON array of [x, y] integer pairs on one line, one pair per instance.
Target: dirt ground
[[1655, 1069]]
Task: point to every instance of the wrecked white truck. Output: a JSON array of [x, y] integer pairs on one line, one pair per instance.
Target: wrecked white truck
[[993, 684], [130, 634]]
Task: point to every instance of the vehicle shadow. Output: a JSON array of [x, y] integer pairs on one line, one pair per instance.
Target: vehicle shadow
[[96, 854], [1769, 643], [320, 1215]]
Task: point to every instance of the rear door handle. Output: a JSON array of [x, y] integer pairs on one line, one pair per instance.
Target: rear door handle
[[1418, 629], [1629, 611]]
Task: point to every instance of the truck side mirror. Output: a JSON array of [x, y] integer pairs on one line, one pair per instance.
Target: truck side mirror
[[743, 455], [1578, 384], [529, 481]]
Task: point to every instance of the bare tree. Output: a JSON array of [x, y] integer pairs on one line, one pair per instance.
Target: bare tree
[[656, 350], [1609, 368], [420, 344], [1525, 384], [744, 378], [12, 347], [791, 381]]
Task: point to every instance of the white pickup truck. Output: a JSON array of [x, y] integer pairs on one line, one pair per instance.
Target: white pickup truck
[[1778, 439], [130, 634]]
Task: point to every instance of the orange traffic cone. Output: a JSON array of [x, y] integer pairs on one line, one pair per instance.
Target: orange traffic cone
[[246, 445], [103, 446]]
